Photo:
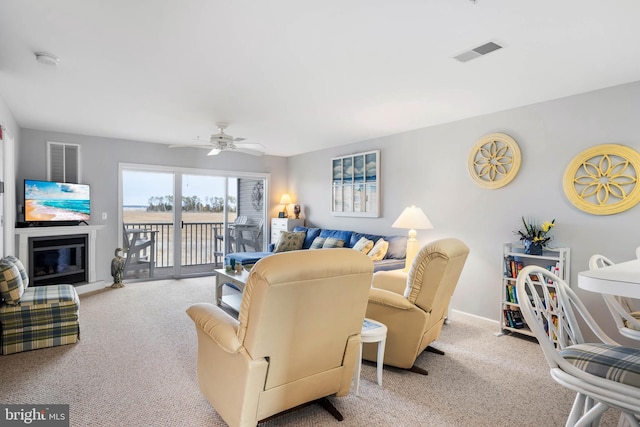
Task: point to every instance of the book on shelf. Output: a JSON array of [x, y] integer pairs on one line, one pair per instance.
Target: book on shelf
[[518, 321], [507, 318], [513, 318], [512, 294], [507, 263]]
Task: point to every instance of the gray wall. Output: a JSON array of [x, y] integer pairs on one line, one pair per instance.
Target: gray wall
[[99, 162], [428, 168]]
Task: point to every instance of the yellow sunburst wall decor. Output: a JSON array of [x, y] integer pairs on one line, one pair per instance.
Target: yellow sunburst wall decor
[[494, 160], [603, 180]]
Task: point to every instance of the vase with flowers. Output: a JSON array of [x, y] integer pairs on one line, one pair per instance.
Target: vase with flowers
[[534, 237]]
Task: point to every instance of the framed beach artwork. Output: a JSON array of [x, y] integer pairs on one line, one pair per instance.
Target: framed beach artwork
[[356, 184]]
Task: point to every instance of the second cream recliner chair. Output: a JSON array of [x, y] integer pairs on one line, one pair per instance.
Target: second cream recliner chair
[[296, 340], [414, 305]]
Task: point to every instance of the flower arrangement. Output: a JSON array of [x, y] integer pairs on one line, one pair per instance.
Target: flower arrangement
[[534, 236]]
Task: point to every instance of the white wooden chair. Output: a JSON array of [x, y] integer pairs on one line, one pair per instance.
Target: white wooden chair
[[604, 374], [229, 238], [621, 308], [250, 235], [139, 250]]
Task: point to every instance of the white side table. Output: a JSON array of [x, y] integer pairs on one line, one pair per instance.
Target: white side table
[[372, 331]]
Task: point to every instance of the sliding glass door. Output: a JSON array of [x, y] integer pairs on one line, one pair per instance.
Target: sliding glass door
[[217, 214]]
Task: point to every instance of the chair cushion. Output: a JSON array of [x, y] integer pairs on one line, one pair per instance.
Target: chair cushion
[[332, 242], [11, 286], [290, 241], [41, 305], [317, 243], [379, 250], [23, 271], [612, 362], [363, 245]]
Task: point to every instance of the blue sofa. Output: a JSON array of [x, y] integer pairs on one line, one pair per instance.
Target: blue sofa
[[393, 260]]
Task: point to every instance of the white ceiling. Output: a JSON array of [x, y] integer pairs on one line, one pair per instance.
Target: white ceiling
[[298, 76]]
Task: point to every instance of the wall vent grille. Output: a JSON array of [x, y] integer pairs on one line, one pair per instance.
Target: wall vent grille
[[477, 52]]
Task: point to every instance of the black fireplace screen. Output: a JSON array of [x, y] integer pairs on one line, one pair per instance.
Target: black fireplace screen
[[57, 260]]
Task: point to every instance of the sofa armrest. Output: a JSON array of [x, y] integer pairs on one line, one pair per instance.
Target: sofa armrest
[[222, 328], [392, 280], [389, 299]]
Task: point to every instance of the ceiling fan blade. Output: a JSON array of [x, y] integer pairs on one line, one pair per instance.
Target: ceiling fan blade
[[239, 139], [214, 152], [190, 146]]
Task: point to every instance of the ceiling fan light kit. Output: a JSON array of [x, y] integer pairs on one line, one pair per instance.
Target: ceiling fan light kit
[[221, 141]]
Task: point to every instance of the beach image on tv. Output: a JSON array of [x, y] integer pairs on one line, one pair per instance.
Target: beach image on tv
[[56, 201]]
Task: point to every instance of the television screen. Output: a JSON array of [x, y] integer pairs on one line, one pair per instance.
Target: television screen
[[55, 201]]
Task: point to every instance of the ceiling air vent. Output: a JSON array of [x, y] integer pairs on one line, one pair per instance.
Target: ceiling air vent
[[477, 52]]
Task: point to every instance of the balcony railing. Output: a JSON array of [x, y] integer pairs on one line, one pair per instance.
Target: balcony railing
[[199, 243]]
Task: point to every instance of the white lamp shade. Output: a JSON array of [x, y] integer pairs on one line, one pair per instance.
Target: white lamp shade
[[285, 199], [413, 218]]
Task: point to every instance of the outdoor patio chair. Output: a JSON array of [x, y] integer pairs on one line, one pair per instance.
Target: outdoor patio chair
[[228, 240], [603, 373], [250, 235], [139, 250]]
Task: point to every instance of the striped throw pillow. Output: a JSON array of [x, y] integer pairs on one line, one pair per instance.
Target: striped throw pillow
[[332, 242], [317, 243]]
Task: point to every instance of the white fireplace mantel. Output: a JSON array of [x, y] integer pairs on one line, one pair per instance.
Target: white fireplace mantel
[[22, 247]]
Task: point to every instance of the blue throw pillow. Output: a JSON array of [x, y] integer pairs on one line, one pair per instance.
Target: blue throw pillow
[[312, 233], [397, 247]]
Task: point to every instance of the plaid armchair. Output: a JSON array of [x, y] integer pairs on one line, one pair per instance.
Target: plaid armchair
[[34, 317]]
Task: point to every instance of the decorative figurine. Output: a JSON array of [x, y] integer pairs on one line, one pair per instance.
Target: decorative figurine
[[117, 268], [296, 210]]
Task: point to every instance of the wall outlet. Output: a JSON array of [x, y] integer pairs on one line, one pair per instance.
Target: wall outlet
[[104, 215]]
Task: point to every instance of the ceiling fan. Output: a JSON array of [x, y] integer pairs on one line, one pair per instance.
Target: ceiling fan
[[221, 141]]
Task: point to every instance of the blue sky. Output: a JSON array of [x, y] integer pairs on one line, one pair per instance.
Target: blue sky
[[55, 190], [139, 186]]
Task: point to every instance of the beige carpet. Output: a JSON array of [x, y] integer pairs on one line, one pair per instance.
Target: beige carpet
[[135, 365]]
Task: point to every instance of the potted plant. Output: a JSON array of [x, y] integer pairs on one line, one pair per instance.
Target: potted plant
[[534, 237]]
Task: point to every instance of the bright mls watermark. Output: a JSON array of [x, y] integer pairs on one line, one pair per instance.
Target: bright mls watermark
[[34, 415]]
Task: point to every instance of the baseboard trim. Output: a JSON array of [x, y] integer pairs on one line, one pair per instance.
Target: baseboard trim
[[475, 316], [90, 287]]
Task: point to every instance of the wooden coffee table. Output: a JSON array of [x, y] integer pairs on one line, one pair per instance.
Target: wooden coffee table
[[237, 280]]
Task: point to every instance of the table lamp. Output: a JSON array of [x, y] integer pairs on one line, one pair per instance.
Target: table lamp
[[285, 200], [412, 218]]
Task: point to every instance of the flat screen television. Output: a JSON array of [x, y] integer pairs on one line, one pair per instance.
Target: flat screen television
[[56, 202]]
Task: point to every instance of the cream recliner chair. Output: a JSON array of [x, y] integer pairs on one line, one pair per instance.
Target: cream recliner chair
[[414, 305], [296, 340]]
